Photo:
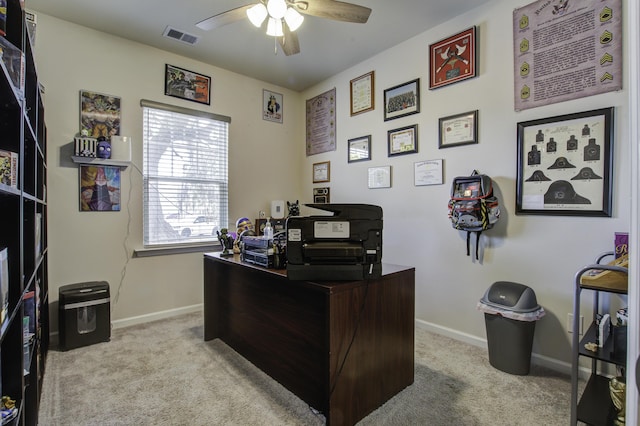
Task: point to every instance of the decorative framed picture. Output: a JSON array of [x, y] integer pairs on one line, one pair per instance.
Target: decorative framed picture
[[402, 100], [99, 188], [379, 177], [185, 84], [99, 115], [459, 129], [565, 165], [359, 149], [403, 140], [271, 106], [362, 93], [453, 59], [322, 172]]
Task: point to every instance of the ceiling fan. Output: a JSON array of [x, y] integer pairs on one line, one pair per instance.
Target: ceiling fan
[[283, 17]]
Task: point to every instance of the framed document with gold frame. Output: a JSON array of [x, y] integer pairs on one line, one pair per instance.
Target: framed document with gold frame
[[322, 172], [362, 93]]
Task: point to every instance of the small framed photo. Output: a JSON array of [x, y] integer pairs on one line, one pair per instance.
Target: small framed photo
[[322, 172], [359, 149], [403, 140], [271, 106], [459, 129], [185, 84], [453, 59], [402, 100], [379, 177], [362, 93], [565, 165]]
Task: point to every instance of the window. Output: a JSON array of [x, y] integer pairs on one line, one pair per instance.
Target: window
[[185, 175]]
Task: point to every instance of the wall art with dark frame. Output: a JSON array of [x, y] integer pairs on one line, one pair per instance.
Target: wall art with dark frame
[[458, 129], [565, 164], [402, 100], [185, 84], [453, 59], [403, 140], [359, 149]]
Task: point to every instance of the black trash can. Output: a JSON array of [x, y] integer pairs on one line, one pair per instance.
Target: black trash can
[[84, 315], [510, 312]]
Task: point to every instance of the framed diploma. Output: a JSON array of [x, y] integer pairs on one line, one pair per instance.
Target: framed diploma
[[362, 99], [379, 177], [321, 172], [403, 140], [428, 172], [456, 130]]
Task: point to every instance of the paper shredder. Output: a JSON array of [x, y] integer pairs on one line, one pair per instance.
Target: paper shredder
[[84, 316]]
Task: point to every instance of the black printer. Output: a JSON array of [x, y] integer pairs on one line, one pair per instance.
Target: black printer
[[344, 246]]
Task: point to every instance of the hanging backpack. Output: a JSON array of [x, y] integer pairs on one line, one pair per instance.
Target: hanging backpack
[[473, 207]]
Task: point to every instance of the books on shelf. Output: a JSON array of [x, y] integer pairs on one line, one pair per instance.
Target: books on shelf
[[9, 168], [4, 284]]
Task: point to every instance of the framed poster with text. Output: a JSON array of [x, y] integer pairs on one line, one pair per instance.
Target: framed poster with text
[[321, 123], [566, 50]]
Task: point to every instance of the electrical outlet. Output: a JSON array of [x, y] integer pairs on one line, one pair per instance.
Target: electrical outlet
[[570, 324]]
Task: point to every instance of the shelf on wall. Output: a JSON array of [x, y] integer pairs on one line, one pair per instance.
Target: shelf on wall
[[100, 161]]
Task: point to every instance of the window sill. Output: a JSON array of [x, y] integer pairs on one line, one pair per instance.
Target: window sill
[[165, 251]]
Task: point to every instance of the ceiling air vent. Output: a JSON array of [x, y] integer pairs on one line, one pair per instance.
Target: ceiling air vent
[[180, 35]]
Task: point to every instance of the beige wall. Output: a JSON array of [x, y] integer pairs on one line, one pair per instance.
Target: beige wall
[[88, 246], [540, 251]]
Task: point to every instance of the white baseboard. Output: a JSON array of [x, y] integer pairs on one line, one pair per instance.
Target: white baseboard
[[140, 319], [537, 359], [154, 316]]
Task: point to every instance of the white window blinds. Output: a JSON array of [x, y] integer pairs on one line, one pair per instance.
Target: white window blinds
[[185, 175]]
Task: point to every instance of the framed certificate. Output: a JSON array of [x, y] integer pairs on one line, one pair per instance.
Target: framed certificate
[[460, 129], [321, 172], [359, 149], [403, 140], [379, 177], [362, 95]]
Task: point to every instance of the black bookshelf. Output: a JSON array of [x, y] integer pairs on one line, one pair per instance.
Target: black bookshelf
[[23, 346]]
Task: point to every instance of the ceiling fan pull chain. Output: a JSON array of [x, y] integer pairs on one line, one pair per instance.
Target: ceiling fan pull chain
[[275, 46]]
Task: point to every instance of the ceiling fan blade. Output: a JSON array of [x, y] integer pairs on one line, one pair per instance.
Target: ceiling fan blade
[[289, 41], [224, 18], [333, 9]]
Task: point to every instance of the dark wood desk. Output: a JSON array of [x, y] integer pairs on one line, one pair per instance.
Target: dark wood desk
[[343, 347]]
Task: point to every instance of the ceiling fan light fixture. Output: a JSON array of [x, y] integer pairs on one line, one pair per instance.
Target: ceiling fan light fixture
[[274, 27], [256, 14], [277, 8], [293, 19]]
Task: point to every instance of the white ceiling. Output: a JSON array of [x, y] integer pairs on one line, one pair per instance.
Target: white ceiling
[[327, 47]]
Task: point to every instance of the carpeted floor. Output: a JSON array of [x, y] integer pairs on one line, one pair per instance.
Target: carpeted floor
[[163, 373]]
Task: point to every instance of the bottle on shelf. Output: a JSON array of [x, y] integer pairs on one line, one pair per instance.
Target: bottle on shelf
[[268, 230]]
